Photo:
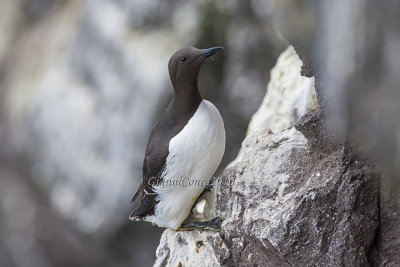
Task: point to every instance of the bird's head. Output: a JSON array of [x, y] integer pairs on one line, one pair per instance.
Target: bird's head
[[185, 64]]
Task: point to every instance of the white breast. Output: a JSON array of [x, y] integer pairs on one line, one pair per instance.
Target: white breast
[[194, 155]]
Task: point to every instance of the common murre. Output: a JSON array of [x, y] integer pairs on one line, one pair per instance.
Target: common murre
[[186, 144]]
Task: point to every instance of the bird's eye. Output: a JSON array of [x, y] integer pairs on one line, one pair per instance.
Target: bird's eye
[[183, 59]]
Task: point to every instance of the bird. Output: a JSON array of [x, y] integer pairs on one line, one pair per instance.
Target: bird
[[185, 146]]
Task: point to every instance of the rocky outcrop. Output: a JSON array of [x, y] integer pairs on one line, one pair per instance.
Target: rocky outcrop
[[304, 206], [297, 197], [285, 204], [289, 95]]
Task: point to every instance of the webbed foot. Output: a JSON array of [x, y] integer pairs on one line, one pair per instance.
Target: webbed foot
[[213, 225]]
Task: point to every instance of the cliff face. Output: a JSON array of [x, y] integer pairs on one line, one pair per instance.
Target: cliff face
[[291, 204], [295, 197]]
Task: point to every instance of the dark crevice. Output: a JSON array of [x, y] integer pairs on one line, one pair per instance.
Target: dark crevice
[[373, 251]]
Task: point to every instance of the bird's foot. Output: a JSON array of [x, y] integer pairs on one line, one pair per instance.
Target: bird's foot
[[213, 225]]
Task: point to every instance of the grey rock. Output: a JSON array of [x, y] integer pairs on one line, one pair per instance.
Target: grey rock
[[287, 203], [288, 97], [191, 249], [386, 248], [308, 207]]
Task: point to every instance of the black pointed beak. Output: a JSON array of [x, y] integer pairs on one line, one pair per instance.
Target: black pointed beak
[[211, 51]]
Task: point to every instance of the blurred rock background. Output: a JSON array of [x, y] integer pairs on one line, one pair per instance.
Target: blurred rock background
[[82, 83]]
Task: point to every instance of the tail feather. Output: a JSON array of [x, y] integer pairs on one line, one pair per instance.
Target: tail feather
[[146, 205], [133, 217], [138, 192]]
